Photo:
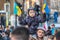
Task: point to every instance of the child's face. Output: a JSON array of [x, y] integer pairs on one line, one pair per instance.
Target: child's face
[[40, 33], [31, 13]]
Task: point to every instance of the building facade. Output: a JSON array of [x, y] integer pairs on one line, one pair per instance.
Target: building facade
[[55, 4], [2, 4]]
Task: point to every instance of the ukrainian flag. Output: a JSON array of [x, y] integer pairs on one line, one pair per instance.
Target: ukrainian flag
[[45, 8], [17, 9]]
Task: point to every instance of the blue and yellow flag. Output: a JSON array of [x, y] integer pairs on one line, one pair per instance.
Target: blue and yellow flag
[[45, 8], [17, 9]]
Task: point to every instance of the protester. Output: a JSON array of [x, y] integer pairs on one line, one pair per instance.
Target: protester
[[5, 36], [1, 29], [37, 8], [3, 19], [32, 20], [49, 31], [7, 31], [55, 16], [53, 29], [39, 34], [20, 33]]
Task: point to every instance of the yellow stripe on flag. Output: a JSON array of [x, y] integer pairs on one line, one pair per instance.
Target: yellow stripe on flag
[[19, 12], [44, 5]]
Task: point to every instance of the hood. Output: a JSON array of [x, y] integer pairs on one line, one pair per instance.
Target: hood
[[31, 8]]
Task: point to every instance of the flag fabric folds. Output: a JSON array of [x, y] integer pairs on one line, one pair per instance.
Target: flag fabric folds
[[17, 9], [46, 26], [45, 8]]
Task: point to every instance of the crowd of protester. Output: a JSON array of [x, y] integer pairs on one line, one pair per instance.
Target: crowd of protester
[[23, 33], [33, 32]]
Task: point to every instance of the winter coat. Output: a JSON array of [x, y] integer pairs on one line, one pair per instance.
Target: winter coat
[[34, 37], [32, 22]]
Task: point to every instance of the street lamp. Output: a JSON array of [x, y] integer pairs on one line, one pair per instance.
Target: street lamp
[[7, 10]]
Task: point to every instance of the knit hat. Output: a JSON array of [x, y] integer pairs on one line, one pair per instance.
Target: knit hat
[[41, 28]]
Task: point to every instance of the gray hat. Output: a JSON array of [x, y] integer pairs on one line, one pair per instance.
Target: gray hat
[[41, 28]]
